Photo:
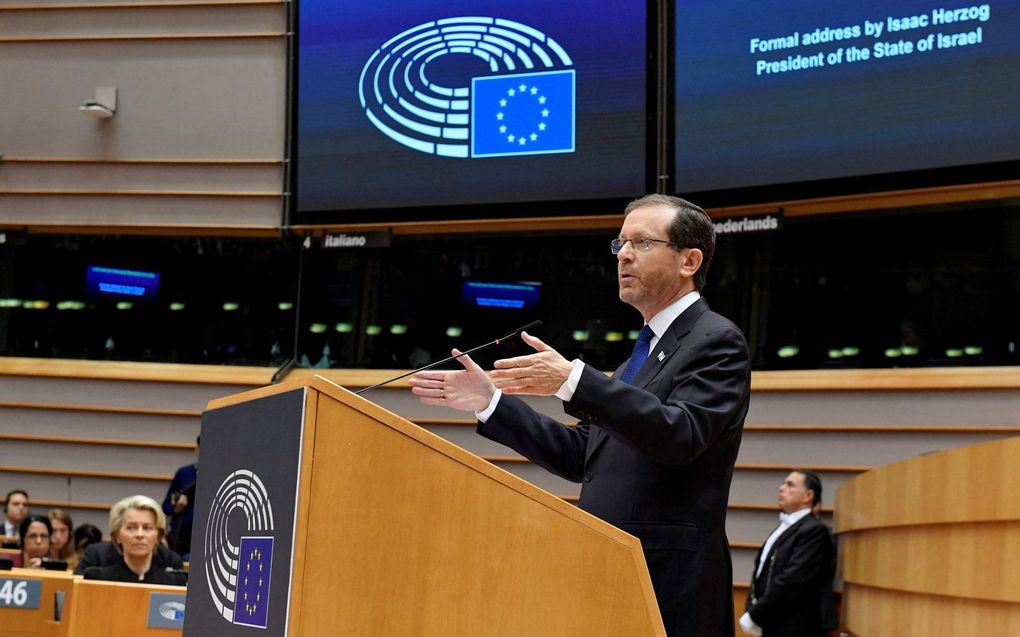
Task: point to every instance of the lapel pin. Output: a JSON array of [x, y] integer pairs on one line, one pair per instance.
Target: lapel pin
[[662, 355]]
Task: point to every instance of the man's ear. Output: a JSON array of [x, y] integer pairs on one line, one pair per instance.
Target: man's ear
[[690, 262]]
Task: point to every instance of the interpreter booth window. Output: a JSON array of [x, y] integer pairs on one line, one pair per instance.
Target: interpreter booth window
[[409, 304], [180, 300], [883, 289], [930, 288]]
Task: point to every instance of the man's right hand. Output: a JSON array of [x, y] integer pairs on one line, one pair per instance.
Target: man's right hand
[[180, 503], [469, 389]]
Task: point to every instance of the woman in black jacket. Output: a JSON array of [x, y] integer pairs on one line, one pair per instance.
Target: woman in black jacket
[[137, 526]]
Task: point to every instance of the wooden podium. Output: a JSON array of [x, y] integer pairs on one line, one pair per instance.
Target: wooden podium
[[392, 531], [930, 545]]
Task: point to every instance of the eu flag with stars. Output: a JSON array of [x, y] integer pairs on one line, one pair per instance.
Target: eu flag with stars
[[524, 114], [251, 605]]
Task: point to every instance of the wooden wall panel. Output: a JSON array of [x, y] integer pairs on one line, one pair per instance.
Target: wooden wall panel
[[956, 560], [169, 19], [931, 545], [976, 483], [875, 611], [165, 175], [196, 82]]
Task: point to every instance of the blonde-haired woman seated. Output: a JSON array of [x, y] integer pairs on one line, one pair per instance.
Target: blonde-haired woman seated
[[61, 546], [137, 525]]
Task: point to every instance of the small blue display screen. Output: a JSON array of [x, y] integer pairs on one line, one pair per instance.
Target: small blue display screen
[[514, 296], [121, 283]]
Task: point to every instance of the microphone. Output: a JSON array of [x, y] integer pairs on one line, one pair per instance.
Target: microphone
[[513, 334], [178, 574]]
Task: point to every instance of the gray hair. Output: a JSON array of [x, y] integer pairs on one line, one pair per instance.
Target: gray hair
[[691, 227]]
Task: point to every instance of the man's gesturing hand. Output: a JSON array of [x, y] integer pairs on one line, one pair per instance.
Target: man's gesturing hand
[[468, 390], [538, 374]]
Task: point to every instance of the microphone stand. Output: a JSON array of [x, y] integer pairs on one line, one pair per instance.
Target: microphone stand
[[512, 334]]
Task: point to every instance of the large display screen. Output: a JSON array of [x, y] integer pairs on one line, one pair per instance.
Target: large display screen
[[406, 104], [801, 90]]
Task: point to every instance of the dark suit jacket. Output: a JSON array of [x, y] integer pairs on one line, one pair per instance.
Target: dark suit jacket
[[179, 524], [120, 572], [655, 458], [105, 554], [793, 595]]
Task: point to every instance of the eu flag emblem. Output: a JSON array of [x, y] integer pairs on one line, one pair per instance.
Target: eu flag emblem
[[251, 605], [526, 114]]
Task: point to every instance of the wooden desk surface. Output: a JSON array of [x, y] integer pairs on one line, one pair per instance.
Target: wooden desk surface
[[114, 609], [23, 622]]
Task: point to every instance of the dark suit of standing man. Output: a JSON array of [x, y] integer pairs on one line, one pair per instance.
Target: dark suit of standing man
[[654, 451], [791, 585]]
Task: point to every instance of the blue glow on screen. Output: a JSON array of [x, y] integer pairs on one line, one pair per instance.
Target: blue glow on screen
[[387, 116], [515, 296], [121, 283], [783, 92]]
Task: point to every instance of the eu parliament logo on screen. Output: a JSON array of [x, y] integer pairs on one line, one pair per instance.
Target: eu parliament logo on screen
[[525, 105]]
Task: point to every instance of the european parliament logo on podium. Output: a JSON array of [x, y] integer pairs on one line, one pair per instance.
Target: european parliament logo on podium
[[256, 564], [246, 506], [239, 575], [525, 105]]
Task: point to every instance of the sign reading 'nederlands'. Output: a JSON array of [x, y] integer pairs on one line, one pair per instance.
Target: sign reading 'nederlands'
[[357, 240], [757, 223]]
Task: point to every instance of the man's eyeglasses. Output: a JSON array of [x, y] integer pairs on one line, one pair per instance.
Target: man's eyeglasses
[[641, 244]]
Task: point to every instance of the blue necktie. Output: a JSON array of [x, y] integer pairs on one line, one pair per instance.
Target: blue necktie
[[638, 356]]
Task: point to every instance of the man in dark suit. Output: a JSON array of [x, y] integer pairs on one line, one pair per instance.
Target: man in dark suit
[[179, 506], [655, 445], [791, 586], [15, 510]]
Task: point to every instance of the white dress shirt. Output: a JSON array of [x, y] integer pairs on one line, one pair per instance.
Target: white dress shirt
[[659, 324], [786, 520]]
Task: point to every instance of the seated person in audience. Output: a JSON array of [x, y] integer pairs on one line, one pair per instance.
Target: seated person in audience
[[98, 553], [137, 526], [85, 535], [791, 585], [61, 546], [179, 506], [15, 510], [35, 532]]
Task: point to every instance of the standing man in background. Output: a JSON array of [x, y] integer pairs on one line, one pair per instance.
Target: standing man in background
[[15, 510], [791, 587], [656, 443], [179, 506]]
